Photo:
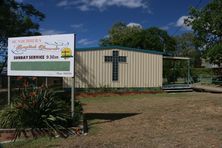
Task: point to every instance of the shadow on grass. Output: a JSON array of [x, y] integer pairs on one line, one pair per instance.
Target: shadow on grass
[[108, 116], [104, 117]]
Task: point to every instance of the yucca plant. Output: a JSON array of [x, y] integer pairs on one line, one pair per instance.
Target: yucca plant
[[39, 110]]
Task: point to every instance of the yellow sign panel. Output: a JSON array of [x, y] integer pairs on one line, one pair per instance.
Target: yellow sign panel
[[66, 53]]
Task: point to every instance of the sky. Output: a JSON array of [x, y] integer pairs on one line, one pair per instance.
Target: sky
[[90, 20]]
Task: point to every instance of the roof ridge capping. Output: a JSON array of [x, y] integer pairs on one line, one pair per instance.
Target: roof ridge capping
[[120, 47]]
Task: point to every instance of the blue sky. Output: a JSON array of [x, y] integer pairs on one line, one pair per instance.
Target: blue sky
[[91, 19]]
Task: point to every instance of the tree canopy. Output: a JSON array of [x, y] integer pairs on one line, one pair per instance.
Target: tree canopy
[[134, 36], [185, 46], [206, 23], [17, 19]]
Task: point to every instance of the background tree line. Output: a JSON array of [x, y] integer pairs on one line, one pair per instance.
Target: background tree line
[[204, 42], [153, 38], [22, 19]]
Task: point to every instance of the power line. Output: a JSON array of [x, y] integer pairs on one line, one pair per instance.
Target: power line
[[196, 6]]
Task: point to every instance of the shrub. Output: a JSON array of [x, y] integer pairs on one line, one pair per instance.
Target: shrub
[[206, 74], [201, 72], [65, 96], [39, 110], [173, 70], [77, 113]]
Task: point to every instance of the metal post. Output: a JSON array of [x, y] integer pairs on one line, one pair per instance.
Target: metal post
[[73, 81], [46, 81], [174, 73], [73, 97], [9, 91], [188, 72]]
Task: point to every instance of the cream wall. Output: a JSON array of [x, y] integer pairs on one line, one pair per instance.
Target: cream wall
[[140, 70]]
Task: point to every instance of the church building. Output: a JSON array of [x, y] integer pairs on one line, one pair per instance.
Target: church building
[[117, 67]]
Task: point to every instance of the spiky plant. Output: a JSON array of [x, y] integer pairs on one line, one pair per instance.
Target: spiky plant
[[39, 110]]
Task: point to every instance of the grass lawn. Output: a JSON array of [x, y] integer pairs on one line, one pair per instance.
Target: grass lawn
[[160, 120]]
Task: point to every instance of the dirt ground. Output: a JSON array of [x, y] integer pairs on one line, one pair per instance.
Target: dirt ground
[[150, 120]]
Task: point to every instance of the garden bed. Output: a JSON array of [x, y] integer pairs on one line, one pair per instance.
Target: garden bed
[[8, 135], [87, 95], [38, 112]]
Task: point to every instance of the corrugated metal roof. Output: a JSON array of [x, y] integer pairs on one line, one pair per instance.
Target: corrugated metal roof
[[121, 47]]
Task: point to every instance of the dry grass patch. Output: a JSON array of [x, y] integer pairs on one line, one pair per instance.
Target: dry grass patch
[[158, 120]]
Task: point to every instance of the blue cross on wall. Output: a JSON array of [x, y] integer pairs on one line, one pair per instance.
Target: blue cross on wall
[[115, 59]]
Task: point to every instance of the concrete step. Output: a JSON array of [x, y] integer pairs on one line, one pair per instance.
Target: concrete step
[[178, 90], [203, 88]]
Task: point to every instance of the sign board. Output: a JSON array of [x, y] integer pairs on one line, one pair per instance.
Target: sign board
[[50, 56]]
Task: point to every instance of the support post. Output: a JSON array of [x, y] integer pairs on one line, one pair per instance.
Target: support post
[[73, 97], [46, 81], [73, 81], [188, 72], [174, 73], [9, 90]]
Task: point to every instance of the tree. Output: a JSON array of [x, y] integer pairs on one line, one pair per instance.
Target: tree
[[214, 54], [185, 46], [133, 36], [17, 19], [206, 23], [120, 34]]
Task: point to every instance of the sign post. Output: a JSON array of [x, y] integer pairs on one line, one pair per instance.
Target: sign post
[[44, 56], [46, 81], [73, 97], [9, 90], [73, 84]]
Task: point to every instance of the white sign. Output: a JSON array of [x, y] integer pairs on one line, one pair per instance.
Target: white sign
[[51, 55]]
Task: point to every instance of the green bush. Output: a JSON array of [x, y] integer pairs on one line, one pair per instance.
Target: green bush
[[41, 111], [199, 73], [173, 70]]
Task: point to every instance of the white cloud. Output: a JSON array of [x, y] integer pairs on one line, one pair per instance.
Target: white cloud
[[180, 23], [168, 26], [78, 27], [86, 5], [134, 25], [106, 36], [50, 31], [86, 42], [83, 8], [165, 27], [62, 3]]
